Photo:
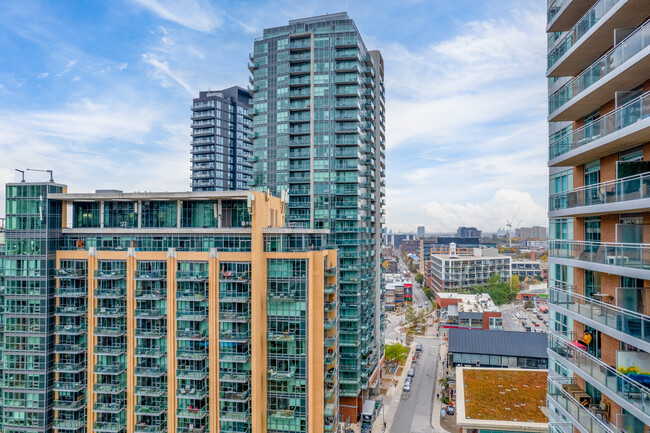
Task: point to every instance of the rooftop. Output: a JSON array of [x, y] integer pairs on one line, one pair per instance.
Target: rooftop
[[501, 397], [471, 303], [497, 342]]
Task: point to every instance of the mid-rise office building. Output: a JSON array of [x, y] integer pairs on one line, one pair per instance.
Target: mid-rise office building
[[318, 124], [534, 232], [165, 312], [451, 272], [468, 232], [421, 231], [599, 267], [221, 140]]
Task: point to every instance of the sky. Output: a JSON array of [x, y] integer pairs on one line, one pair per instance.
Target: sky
[[100, 92]]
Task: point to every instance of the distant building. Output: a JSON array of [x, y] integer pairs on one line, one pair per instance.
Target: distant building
[[426, 243], [410, 246], [460, 242], [468, 232], [221, 140], [450, 272], [421, 231], [526, 268], [520, 397], [398, 291], [396, 239], [535, 232], [468, 311]]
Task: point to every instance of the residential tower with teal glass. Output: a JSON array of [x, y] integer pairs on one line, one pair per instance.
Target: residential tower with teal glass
[[318, 135]]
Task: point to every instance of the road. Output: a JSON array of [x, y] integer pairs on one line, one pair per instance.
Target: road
[[511, 323], [414, 412]]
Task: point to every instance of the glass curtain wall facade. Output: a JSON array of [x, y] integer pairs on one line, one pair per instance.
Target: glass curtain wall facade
[[318, 125], [599, 160], [33, 230], [229, 328], [221, 140]]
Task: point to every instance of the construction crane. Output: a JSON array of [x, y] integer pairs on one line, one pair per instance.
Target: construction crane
[[43, 171], [509, 225]]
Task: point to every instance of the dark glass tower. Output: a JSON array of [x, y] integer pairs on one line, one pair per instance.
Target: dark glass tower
[[221, 142], [318, 106]]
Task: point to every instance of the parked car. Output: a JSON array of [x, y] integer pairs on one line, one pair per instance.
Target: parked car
[[411, 372], [407, 386], [450, 410], [418, 347], [527, 328], [536, 324], [419, 305]]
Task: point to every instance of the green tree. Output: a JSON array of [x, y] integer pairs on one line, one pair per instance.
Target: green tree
[[419, 278], [395, 352], [514, 283], [410, 315], [528, 304], [444, 384]]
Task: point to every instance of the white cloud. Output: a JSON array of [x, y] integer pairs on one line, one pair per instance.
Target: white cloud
[[488, 215], [68, 68], [43, 75], [194, 14], [163, 72]]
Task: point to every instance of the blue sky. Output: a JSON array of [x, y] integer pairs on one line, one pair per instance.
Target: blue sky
[[100, 92]]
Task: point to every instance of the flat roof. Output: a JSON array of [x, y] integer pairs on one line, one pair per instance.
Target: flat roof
[[504, 398], [131, 196], [498, 342]]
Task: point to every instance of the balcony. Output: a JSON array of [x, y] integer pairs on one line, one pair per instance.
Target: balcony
[[595, 85], [232, 276], [150, 371], [110, 388], [111, 350], [185, 373], [630, 394], [191, 393], [625, 325], [69, 330], [151, 294], [285, 337], [71, 292], [632, 260], [562, 14], [150, 313], [110, 312], [192, 316], [622, 128], [150, 391], [583, 418], [191, 295], [71, 274], [241, 297], [72, 349], [193, 413], [111, 369], [191, 334], [151, 409], [65, 367], [109, 407], [156, 428], [235, 396], [108, 427], [111, 293], [236, 357], [234, 316], [282, 414], [118, 274], [230, 335], [234, 415], [109, 331], [235, 377], [595, 199], [192, 354], [150, 333], [75, 310], [191, 276], [281, 375], [69, 386], [69, 424], [150, 352]]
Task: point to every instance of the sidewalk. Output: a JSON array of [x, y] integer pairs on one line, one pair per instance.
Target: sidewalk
[[392, 398], [437, 403]]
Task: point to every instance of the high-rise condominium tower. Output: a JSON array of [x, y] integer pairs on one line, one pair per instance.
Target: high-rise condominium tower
[[221, 142], [599, 211], [164, 312], [318, 105]]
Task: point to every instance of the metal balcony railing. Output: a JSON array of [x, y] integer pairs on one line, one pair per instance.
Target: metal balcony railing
[[635, 256], [582, 415]]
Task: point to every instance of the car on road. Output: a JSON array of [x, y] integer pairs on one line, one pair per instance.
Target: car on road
[[411, 372], [527, 328], [407, 386], [419, 305], [536, 324], [418, 347]]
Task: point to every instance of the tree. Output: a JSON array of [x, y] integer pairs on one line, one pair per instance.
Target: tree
[[419, 278], [395, 352], [529, 304], [444, 384], [514, 283], [410, 315]]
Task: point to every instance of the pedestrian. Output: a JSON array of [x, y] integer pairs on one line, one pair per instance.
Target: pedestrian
[[438, 396]]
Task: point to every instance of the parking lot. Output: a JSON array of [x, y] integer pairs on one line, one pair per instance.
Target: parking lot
[[512, 323]]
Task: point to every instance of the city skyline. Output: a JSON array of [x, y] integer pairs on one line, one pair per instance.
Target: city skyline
[[112, 109]]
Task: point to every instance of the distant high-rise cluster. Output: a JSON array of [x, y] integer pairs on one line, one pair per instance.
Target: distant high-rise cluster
[[599, 259], [468, 232]]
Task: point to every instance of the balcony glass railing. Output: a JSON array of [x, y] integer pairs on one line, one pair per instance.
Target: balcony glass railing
[[585, 23], [629, 322], [150, 371], [111, 293], [71, 273], [231, 335], [234, 415], [116, 350], [633, 392], [192, 275], [110, 312], [191, 413], [625, 189], [616, 57], [234, 357], [237, 377], [186, 373], [118, 274], [76, 310], [635, 256], [109, 427], [582, 415], [150, 391], [150, 275], [110, 388], [192, 354], [191, 315], [624, 116], [553, 8]]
